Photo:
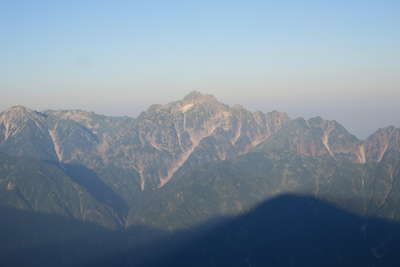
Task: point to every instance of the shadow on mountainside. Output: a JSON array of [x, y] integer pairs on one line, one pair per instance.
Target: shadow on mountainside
[[96, 187], [37, 239], [285, 231], [293, 231]]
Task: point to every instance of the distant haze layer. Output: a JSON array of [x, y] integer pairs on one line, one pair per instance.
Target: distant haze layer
[[338, 59]]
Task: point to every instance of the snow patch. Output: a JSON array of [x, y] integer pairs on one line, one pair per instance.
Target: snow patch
[[325, 142], [361, 154], [185, 156], [187, 107], [382, 152], [57, 147], [11, 129], [238, 133], [11, 186]]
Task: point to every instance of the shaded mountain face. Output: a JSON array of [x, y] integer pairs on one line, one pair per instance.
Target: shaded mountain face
[[292, 230], [24, 132], [289, 230], [46, 187]]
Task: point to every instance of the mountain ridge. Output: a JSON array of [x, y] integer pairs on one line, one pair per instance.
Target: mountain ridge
[[175, 132], [175, 135]]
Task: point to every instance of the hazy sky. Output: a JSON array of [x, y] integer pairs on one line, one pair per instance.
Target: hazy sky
[[338, 59]]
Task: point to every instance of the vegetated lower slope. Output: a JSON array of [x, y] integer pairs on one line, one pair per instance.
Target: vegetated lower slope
[[68, 190], [235, 186]]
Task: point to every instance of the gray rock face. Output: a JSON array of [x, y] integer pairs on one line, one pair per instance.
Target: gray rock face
[[383, 141], [24, 132], [322, 138]]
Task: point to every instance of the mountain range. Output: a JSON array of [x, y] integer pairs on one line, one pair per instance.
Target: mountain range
[[191, 163]]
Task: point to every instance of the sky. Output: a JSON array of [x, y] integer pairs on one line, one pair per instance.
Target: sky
[[337, 59]]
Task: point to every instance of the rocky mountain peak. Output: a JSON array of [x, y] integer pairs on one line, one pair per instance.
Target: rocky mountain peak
[[19, 114], [382, 141], [17, 110], [197, 97], [389, 130], [316, 137], [193, 101], [24, 132], [73, 115], [283, 116]]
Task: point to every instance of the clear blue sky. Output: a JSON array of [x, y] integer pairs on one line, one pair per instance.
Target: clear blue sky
[[338, 59]]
